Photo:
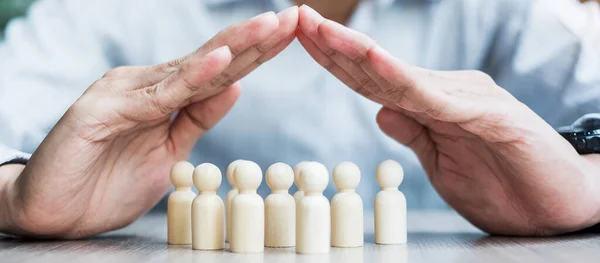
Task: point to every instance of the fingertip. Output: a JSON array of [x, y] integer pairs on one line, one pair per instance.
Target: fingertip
[[288, 20], [290, 11], [326, 30], [235, 89], [222, 55], [385, 117], [309, 20], [265, 24]]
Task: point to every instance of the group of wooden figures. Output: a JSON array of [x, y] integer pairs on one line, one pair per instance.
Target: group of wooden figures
[[305, 220]]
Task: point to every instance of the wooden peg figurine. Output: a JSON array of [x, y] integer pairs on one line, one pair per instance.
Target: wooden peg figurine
[[390, 205], [179, 207], [230, 195], [313, 219], [247, 211], [207, 209], [280, 207], [297, 172], [346, 207]]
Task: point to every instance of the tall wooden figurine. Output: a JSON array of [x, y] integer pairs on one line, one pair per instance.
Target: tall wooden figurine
[[247, 211], [280, 207], [230, 195], [297, 172], [390, 205], [179, 207], [207, 209], [313, 219], [346, 207]]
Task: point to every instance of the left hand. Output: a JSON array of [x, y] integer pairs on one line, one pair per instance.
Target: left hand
[[489, 156]]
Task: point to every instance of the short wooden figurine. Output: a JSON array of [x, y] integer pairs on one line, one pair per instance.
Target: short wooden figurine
[[247, 211], [346, 207], [390, 205], [280, 207], [313, 219], [208, 232], [179, 207]]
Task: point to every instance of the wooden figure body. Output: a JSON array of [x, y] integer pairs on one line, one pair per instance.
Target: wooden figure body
[[313, 219], [346, 208], [230, 195], [179, 207], [280, 207], [390, 205], [247, 211], [297, 172], [207, 209]]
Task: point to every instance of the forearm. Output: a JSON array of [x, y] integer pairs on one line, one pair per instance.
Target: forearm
[[8, 175]]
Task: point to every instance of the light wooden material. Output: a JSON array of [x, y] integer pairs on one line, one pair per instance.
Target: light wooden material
[[313, 220], [207, 209], [440, 237], [390, 205], [280, 207], [247, 210], [346, 207], [179, 207], [297, 173], [230, 195]]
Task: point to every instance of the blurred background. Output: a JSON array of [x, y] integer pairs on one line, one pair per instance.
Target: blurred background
[[10, 9]]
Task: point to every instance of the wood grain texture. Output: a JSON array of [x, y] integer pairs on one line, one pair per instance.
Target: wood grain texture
[[433, 237]]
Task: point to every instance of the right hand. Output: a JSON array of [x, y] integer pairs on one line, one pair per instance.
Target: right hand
[[107, 161]]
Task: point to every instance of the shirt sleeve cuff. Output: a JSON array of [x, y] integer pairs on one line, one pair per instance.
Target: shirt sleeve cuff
[[10, 156]]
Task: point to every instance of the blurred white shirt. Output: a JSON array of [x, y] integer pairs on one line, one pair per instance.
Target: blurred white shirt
[[546, 53]]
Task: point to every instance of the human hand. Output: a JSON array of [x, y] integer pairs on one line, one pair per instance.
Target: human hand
[[107, 160], [489, 156]]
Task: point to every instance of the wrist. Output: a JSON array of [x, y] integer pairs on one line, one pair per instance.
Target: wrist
[[8, 175], [592, 162]]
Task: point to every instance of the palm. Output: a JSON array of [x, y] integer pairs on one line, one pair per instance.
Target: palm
[[133, 171]]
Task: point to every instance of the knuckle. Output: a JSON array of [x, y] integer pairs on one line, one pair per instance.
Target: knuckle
[[221, 80], [330, 52], [117, 72], [481, 77], [261, 48], [360, 60], [396, 94], [189, 85], [163, 106], [363, 80]]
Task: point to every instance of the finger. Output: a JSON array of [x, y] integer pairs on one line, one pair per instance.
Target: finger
[[327, 63], [353, 45], [419, 90], [263, 52], [408, 132], [197, 118], [239, 38], [166, 96], [409, 89], [309, 24], [265, 57], [287, 21]]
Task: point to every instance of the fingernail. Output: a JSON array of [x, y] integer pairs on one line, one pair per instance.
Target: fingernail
[[312, 12], [288, 10], [263, 15], [223, 50]]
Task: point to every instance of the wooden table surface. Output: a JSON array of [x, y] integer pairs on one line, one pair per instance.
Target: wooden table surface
[[433, 237]]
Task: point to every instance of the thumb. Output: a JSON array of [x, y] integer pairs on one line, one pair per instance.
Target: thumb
[[408, 132], [197, 118]]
